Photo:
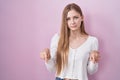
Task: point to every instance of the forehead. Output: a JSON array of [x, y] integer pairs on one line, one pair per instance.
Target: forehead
[[72, 13]]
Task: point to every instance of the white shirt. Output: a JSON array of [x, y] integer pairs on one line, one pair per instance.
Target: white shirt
[[78, 60]]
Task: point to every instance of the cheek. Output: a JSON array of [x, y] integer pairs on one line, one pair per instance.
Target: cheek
[[68, 23], [79, 22]]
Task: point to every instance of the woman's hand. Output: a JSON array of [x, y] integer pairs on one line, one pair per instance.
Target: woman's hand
[[94, 56], [45, 54]]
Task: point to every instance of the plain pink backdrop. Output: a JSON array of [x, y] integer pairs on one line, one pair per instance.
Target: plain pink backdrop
[[26, 27]]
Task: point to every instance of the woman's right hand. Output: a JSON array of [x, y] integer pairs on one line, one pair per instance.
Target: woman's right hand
[[45, 54]]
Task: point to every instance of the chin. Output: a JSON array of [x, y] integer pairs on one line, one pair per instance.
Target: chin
[[73, 29]]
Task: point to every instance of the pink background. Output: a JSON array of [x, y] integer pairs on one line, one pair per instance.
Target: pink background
[[26, 27]]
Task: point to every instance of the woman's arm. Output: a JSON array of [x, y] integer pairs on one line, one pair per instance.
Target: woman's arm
[[92, 66], [93, 62], [51, 63]]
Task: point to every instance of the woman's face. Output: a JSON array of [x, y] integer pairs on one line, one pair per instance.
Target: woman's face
[[74, 20]]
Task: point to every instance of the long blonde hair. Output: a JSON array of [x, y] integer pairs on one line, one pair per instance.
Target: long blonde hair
[[63, 44]]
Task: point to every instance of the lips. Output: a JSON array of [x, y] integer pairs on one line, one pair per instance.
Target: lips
[[73, 26]]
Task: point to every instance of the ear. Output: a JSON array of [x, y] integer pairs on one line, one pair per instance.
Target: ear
[[82, 17]]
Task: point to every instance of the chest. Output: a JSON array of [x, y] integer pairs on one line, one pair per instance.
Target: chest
[[79, 54], [77, 43]]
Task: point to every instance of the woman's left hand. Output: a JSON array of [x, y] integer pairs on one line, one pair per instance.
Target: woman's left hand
[[94, 56]]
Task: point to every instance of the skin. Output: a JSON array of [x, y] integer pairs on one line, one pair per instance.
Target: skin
[[45, 54], [74, 21], [76, 38]]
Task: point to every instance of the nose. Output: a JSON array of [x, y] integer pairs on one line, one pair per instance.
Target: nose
[[72, 21]]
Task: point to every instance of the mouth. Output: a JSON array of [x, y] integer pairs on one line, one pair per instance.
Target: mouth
[[73, 26]]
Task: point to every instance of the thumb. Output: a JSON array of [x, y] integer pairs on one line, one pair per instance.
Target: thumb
[[91, 57], [46, 57]]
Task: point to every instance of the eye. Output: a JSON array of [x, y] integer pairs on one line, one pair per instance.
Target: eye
[[75, 17], [68, 19]]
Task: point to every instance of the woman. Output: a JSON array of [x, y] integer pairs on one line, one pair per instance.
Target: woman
[[73, 53]]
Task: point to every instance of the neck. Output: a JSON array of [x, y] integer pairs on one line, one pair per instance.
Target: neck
[[75, 34]]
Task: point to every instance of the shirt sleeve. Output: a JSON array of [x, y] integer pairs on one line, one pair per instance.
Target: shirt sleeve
[[53, 48], [93, 67]]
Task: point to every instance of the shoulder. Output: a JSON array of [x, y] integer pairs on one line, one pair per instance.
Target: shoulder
[[55, 38], [94, 42], [93, 38]]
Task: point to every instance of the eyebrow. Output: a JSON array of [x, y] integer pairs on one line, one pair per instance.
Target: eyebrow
[[73, 16]]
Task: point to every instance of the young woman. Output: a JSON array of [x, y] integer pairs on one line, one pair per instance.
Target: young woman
[[73, 53]]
